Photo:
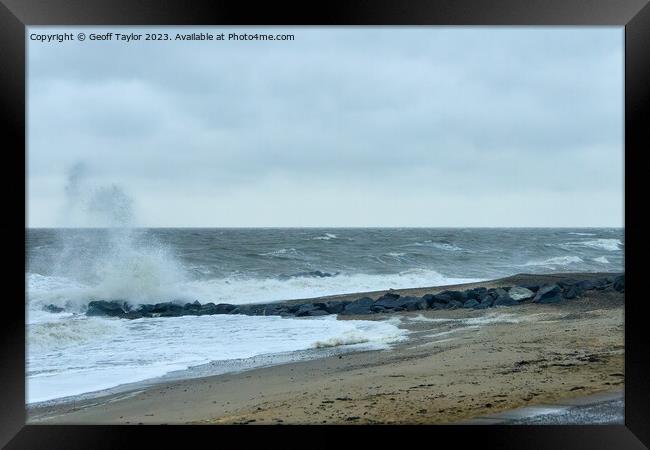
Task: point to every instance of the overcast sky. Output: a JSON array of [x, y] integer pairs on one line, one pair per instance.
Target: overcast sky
[[378, 126]]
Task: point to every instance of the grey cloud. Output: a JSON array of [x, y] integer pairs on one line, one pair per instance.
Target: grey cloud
[[432, 114]]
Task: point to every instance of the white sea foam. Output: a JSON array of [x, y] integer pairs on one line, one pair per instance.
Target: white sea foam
[[602, 260], [326, 237], [484, 319], [611, 245], [421, 318], [556, 261], [443, 246], [605, 244], [582, 234], [42, 290], [438, 245], [85, 354], [138, 274], [289, 253], [367, 332]]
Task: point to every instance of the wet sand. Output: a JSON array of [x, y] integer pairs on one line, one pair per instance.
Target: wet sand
[[456, 365]]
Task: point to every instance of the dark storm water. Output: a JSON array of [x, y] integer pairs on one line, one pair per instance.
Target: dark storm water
[[420, 256]]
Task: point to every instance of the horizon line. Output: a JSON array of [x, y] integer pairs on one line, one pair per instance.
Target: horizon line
[[317, 227]]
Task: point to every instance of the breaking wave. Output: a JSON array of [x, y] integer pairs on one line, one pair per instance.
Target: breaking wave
[[438, 245], [326, 237], [605, 244], [73, 296], [611, 245], [557, 261]]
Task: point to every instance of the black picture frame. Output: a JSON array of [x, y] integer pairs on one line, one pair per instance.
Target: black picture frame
[[15, 15]]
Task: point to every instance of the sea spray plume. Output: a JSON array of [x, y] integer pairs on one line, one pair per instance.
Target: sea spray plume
[[74, 178], [110, 206], [89, 204], [114, 261]]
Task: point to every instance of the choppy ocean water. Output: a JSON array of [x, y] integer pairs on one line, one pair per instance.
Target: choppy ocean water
[[70, 354]]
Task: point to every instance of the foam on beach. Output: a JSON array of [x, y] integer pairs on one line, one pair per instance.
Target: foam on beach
[[69, 356]]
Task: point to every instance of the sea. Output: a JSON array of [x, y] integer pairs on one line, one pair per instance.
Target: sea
[[70, 354]]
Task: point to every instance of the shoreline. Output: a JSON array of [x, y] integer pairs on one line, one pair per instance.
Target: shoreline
[[433, 335], [214, 368]]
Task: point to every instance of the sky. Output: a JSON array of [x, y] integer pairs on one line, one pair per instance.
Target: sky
[[376, 126]]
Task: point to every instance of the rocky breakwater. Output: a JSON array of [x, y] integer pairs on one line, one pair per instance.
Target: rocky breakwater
[[475, 298]]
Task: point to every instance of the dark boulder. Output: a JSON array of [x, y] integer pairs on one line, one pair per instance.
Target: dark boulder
[[387, 303], [335, 307], [502, 298], [619, 283], [310, 309], [167, 309], [487, 301], [565, 284], [471, 303], [145, 310], [454, 304], [439, 305], [603, 283], [276, 309], [105, 308], [572, 291], [207, 309], [476, 293], [360, 306], [548, 293], [249, 310], [448, 296], [505, 301], [585, 285], [443, 297], [223, 308], [413, 303], [429, 298], [192, 308], [459, 296], [400, 303], [52, 308], [485, 297], [210, 308]]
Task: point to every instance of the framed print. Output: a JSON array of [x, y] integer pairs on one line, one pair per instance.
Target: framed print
[[368, 219]]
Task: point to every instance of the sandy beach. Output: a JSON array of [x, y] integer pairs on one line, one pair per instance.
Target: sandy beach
[[455, 365]]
